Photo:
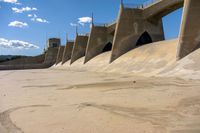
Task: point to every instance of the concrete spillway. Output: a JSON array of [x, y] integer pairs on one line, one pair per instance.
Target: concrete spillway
[[148, 59]]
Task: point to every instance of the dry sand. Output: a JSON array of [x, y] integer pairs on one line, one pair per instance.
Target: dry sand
[[61, 101]]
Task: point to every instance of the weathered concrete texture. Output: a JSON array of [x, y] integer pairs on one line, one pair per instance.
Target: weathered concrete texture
[[131, 26], [25, 60], [162, 8], [60, 54], [51, 56], [147, 60], [67, 51], [98, 39], [50, 59], [79, 47], [53, 42], [190, 29]]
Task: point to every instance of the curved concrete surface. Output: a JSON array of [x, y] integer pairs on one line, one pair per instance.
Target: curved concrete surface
[[150, 59]]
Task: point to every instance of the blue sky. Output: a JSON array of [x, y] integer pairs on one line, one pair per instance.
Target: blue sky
[[31, 22]]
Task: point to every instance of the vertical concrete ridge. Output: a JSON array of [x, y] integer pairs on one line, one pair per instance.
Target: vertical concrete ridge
[[51, 56], [130, 29], [189, 39], [79, 47], [97, 41], [67, 51], [60, 54]]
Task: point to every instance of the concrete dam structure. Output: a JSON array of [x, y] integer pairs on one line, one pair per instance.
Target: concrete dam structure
[[112, 46], [121, 77]]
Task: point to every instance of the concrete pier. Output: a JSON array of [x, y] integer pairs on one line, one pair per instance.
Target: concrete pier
[[60, 54], [98, 40], [189, 39], [79, 47], [67, 51], [132, 30]]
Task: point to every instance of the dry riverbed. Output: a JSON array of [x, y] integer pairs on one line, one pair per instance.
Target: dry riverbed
[[61, 101]]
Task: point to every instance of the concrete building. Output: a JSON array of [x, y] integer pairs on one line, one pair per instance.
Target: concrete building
[[53, 42]]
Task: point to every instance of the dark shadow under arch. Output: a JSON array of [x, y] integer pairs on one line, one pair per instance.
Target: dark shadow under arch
[[145, 38], [108, 47]]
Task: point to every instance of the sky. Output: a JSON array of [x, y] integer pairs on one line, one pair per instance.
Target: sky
[[25, 25]]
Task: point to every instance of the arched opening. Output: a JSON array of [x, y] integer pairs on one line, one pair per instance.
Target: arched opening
[[145, 38], [108, 47]]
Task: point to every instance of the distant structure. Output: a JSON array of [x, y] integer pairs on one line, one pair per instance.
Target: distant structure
[[53, 42], [135, 26]]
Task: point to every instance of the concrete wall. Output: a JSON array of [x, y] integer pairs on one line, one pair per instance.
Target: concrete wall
[[50, 59], [189, 39], [67, 52], [79, 47], [51, 56], [130, 27], [25, 60], [60, 54], [98, 38]]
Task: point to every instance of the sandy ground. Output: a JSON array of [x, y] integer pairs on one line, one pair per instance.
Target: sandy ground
[[60, 101]]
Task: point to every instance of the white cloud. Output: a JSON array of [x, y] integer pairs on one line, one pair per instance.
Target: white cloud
[[16, 44], [35, 18], [84, 20], [73, 24], [30, 15], [23, 9], [11, 1], [18, 24]]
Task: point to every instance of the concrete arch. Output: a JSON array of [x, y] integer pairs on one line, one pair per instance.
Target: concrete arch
[[107, 47], [145, 38], [161, 8], [130, 26], [98, 39]]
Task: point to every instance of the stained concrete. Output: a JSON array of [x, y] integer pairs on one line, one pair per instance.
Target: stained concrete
[[130, 26], [98, 39], [79, 47], [190, 29], [50, 59], [60, 54], [161, 8], [67, 51]]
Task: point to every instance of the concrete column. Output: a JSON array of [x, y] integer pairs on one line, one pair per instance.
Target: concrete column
[[67, 52], [97, 40], [189, 39], [130, 27], [60, 54], [79, 48], [51, 56]]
